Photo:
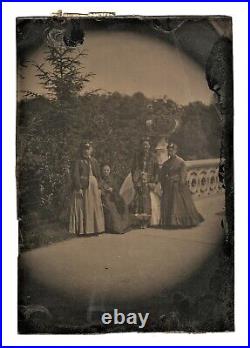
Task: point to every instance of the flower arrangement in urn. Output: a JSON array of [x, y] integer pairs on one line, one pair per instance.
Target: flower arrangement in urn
[[162, 119]]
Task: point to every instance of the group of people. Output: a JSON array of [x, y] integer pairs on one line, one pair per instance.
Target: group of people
[[158, 194]]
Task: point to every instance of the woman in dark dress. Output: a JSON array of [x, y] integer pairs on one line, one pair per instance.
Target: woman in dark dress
[[144, 176], [86, 211], [177, 207], [115, 211]]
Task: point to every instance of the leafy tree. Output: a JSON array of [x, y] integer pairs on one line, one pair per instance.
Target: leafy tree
[[199, 132]]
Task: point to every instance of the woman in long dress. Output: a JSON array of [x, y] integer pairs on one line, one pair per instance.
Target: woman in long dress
[[86, 213], [177, 206], [144, 176], [115, 210]]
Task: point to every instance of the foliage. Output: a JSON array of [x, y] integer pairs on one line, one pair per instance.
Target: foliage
[[199, 134], [47, 128], [115, 123], [51, 127], [62, 74]]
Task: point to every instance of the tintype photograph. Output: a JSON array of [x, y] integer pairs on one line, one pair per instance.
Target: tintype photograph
[[124, 173]]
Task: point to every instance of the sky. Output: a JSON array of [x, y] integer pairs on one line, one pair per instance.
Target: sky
[[130, 62]]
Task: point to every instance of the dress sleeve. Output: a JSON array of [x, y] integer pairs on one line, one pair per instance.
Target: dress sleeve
[[161, 175], [76, 176], [97, 170], [101, 185], [134, 169]]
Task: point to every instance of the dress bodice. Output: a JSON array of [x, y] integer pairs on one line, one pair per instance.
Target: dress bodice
[[173, 169]]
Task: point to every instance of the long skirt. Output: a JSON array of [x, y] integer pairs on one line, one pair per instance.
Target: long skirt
[[127, 190], [155, 209], [177, 207], [86, 213], [116, 220], [142, 201], [128, 193]]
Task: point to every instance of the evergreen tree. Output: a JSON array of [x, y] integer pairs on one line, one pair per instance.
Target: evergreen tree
[[56, 131], [62, 74]]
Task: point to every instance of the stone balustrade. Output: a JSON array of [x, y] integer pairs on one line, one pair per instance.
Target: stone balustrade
[[203, 178]]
